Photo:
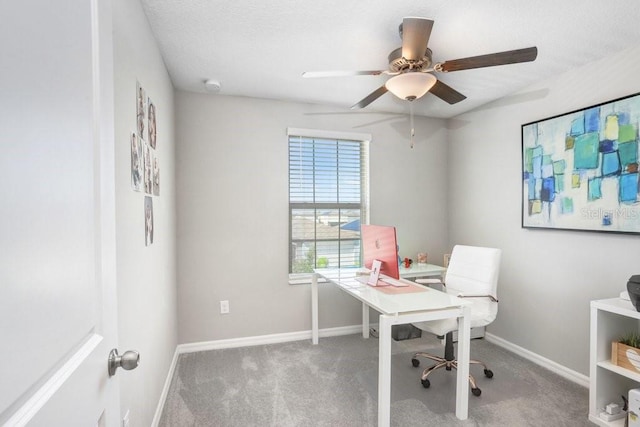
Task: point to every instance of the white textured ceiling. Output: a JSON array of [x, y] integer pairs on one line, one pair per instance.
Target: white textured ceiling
[[260, 48]]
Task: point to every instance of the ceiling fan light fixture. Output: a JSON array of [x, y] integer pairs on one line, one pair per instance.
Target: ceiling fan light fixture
[[411, 86]]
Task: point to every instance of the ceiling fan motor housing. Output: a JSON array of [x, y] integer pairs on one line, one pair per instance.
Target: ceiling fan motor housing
[[397, 63]]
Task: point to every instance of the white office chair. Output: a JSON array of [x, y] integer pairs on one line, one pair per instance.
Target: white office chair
[[472, 273]]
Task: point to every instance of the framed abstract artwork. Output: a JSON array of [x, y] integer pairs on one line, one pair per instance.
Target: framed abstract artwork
[[580, 169]]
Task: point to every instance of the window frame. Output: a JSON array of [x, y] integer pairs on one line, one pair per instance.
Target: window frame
[[364, 140]]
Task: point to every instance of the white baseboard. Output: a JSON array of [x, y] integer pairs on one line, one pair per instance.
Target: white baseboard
[[554, 367], [266, 339], [165, 389]]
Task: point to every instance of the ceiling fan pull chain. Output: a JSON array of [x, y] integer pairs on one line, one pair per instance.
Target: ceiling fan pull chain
[[413, 131]]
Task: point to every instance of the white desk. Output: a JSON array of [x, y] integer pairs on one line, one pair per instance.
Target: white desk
[[422, 270], [397, 309]]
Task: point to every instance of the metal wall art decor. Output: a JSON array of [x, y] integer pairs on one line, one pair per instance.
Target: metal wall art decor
[[580, 169]]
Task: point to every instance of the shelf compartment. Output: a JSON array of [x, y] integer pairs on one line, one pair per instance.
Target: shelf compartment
[[635, 376]]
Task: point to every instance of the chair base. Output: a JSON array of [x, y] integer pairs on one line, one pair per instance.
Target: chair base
[[448, 362]]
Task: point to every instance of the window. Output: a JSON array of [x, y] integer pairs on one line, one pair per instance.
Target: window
[[328, 199]]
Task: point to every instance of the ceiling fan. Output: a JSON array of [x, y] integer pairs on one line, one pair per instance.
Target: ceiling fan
[[412, 70]]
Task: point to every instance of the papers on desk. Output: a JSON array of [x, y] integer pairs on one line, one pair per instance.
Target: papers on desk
[[409, 289], [374, 282], [382, 286], [393, 282]]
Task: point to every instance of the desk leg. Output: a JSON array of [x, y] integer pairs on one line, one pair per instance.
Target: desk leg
[[314, 308], [462, 390], [384, 371], [365, 320]]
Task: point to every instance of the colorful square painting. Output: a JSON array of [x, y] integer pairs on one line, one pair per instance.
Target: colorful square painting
[[580, 169]]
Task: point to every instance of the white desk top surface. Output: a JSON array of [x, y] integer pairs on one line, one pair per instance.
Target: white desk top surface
[[389, 299], [419, 270]]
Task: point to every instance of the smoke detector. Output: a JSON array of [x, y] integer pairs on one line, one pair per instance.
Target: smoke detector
[[212, 85]]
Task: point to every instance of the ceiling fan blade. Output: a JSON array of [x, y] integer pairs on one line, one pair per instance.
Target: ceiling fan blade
[[371, 97], [447, 93], [492, 59], [315, 74], [415, 37]]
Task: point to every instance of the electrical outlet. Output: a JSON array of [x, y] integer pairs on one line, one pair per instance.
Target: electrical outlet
[[125, 419], [224, 307]]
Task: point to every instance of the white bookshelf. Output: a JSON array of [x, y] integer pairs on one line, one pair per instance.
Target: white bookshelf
[[610, 319]]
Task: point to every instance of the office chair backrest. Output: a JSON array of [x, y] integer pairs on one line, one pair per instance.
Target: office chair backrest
[[473, 270]]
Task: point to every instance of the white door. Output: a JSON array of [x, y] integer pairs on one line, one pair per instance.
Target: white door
[[57, 214]]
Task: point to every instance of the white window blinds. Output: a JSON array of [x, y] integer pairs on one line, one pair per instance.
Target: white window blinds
[[328, 199]]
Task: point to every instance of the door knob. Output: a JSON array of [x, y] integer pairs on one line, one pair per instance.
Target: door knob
[[127, 361]]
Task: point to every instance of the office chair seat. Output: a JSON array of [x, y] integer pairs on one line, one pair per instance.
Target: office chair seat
[[472, 274]]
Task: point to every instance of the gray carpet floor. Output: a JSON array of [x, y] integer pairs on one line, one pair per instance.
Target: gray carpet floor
[[335, 384]]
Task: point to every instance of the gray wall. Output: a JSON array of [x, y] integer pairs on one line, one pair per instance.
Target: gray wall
[[232, 200], [548, 277], [147, 304]]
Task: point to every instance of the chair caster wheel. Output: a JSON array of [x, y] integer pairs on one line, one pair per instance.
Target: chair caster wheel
[[476, 391], [488, 373], [426, 383], [415, 362]]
